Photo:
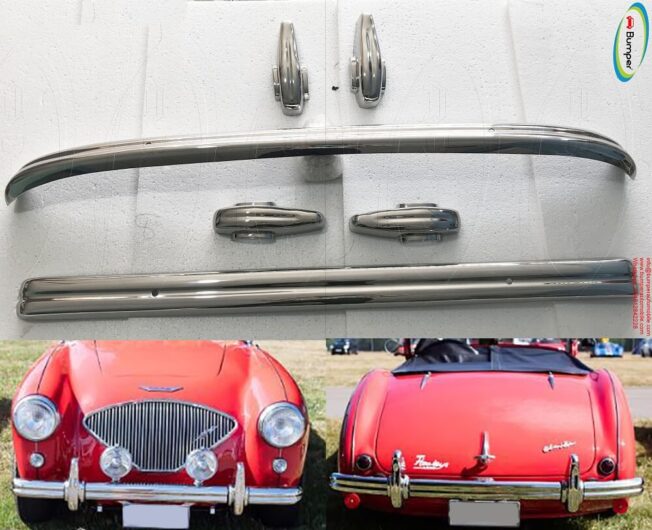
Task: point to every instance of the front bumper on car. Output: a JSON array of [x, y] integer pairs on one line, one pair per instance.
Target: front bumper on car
[[572, 492], [74, 492]]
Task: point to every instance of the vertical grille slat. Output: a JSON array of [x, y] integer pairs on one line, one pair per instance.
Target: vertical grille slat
[[159, 434]]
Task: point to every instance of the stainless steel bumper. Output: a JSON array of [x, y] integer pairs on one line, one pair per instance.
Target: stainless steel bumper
[[74, 492], [227, 292], [399, 487], [501, 139]]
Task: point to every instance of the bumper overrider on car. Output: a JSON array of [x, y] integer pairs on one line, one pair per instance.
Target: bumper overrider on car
[[75, 492], [399, 487]]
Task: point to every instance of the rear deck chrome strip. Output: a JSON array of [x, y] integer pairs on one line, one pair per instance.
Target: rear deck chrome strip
[[498, 139], [142, 295]]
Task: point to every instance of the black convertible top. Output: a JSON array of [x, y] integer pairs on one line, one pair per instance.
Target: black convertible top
[[449, 355]]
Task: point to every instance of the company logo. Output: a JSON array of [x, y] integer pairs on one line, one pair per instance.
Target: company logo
[[630, 44], [435, 465], [556, 447]]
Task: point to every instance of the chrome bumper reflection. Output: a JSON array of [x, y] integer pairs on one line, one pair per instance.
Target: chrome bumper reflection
[[74, 492], [228, 292], [572, 492], [499, 139]]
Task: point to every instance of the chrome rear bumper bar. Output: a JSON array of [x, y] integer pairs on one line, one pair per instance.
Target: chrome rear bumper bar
[[499, 139], [227, 292], [399, 487], [74, 492]]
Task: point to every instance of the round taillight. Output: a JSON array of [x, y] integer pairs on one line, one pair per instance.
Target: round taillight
[[352, 501], [363, 462], [606, 466]]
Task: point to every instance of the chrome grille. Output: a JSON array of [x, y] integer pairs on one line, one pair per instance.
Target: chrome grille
[[159, 434]]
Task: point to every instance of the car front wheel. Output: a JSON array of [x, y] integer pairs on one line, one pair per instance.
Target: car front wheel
[[280, 516]]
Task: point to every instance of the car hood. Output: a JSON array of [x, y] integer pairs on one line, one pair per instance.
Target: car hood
[[532, 424], [204, 372]]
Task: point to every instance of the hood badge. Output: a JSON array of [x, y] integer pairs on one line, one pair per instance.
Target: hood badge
[[556, 447], [161, 388], [435, 465], [485, 458]]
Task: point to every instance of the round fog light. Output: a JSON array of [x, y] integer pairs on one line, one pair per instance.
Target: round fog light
[[201, 464], [37, 460], [116, 462], [279, 465]]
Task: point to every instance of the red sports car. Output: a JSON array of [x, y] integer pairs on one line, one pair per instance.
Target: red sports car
[[158, 428], [488, 435]]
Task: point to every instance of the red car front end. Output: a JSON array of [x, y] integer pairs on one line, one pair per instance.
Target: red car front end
[[161, 423]]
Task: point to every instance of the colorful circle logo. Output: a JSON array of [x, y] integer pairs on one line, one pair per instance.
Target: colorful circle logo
[[630, 44]]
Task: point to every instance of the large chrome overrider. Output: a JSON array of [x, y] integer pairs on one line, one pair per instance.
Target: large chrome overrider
[[303, 289], [75, 492], [399, 487], [484, 139]]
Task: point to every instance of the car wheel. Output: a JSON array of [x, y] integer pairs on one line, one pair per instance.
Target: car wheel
[[280, 516]]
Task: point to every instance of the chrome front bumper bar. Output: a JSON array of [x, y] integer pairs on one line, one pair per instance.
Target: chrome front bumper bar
[[366, 287], [399, 487], [498, 139], [74, 492]]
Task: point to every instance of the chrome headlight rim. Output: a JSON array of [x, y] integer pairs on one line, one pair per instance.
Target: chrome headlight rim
[[272, 409], [48, 404]]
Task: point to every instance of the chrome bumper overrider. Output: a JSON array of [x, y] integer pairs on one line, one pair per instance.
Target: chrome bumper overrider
[[500, 139], [74, 492], [346, 288], [572, 492]]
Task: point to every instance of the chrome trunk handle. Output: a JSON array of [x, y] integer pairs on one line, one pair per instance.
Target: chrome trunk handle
[[409, 222], [368, 71], [350, 140], [289, 77], [264, 221]]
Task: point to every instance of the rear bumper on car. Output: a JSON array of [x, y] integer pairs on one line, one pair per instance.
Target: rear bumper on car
[[399, 487], [74, 492]]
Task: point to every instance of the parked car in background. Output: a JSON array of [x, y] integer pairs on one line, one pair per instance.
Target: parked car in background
[[343, 347], [488, 435], [158, 429], [643, 347], [607, 349]]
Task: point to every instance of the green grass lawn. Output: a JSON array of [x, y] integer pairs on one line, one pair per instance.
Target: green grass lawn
[[17, 356]]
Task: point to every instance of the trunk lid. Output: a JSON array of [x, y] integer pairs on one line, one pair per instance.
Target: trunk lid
[[532, 426]]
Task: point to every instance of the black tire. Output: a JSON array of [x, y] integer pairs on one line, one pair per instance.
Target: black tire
[[280, 516], [33, 511]]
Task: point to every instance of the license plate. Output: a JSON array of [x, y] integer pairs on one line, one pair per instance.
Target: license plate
[[482, 513], [167, 516]]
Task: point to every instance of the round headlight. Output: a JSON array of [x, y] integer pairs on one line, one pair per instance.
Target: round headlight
[[35, 418], [282, 425], [201, 464], [116, 462]]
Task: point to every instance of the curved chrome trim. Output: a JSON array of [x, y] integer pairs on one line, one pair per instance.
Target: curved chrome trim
[[368, 70], [48, 403], [75, 492], [289, 78], [398, 486], [408, 222], [265, 221], [227, 292], [370, 139]]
